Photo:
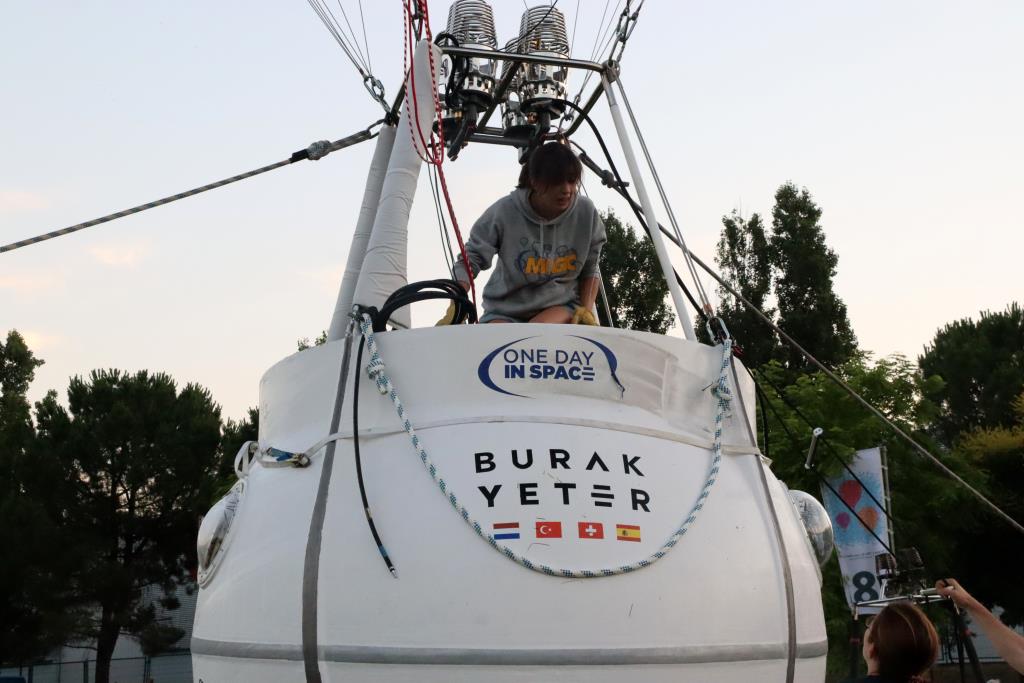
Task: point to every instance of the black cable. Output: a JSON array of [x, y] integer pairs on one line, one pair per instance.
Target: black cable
[[921, 450], [597, 134], [964, 642], [795, 442], [643, 224], [619, 186], [442, 224], [959, 650], [761, 401], [832, 451], [972, 653], [523, 36], [403, 296], [424, 291], [359, 462], [316, 151]]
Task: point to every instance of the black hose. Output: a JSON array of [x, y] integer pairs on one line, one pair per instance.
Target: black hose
[[359, 462], [619, 186], [424, 291], [403, 296]]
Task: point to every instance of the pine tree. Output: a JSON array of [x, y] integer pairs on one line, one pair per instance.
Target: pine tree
[[136, 460], [804, 268], [743, 258]]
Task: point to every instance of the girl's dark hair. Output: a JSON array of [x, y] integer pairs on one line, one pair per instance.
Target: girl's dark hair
[[550, 164], [904, 641]]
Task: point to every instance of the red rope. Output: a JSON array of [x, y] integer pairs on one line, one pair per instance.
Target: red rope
[[433, 150]]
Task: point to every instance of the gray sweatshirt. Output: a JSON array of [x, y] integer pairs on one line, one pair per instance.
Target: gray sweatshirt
[[540, 261]]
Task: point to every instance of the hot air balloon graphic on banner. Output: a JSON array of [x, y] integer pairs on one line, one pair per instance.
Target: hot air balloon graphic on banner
[[864, 494]]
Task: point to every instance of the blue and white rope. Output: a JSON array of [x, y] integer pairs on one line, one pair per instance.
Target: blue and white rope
[[721, 391]]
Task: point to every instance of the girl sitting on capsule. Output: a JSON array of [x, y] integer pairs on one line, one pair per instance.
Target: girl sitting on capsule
[[548, 241]]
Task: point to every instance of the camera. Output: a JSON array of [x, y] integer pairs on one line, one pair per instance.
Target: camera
[[902, 575]]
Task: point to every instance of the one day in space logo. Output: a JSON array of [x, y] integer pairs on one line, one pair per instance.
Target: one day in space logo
[[531, 362]]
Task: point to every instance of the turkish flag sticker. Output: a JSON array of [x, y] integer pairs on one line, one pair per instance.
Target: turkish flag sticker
[[549, 529], [591, 529]]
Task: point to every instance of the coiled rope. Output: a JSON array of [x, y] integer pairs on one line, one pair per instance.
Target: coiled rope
[[375, 369]]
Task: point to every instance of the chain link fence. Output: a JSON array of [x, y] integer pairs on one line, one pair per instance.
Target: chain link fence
[[169, 668]]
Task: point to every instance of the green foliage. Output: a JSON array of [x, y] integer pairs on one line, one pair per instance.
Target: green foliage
[[17, 368], [634, 282], [154, 637], [992, 573], [33, 575], [982, 366], [978, 373], [795, 266], [923, 498], [234, 435], [809, 309], [742, 254], [304, 343], [130, 467]]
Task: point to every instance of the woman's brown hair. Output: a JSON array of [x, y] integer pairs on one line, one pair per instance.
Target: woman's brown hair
[[904, 641], [550, 164]]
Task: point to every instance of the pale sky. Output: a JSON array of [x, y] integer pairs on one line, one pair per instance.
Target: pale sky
[[902, 119]]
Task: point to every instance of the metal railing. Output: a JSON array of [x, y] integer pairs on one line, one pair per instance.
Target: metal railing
[[169, 668]]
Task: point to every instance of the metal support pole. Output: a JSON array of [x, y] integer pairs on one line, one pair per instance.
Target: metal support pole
[[605, 304], [652, 220], [818, 431]]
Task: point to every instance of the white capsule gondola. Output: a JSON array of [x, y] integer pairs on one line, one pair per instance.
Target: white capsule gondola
[[564, 451]]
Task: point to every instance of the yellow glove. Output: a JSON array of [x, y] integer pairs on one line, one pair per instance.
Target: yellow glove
[[582, 316], [449, 316]]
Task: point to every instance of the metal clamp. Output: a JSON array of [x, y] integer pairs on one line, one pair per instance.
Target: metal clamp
[[818, 431], [723, 332], [376, 90]]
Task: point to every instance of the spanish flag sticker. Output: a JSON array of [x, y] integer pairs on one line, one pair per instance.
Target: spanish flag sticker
[[627, 532]]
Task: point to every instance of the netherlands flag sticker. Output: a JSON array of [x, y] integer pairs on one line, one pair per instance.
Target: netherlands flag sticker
[[504, 531]]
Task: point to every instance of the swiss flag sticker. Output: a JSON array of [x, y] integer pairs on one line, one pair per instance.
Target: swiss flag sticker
[[549, 529], [591, 530]]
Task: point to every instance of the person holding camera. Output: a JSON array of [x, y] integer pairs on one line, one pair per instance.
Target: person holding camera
[[1007, 642], [900, 645]]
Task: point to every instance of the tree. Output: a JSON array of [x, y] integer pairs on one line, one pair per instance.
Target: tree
[[33, 619], [809, 309], [744, 261], [795, 259], [634, 282], [977, 370], [234, 434], [304, 343], [994, 574], [17, 369], [929, 512], [982, 366], [131, 461]]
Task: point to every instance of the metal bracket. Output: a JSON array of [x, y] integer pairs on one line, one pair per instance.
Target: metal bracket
[[611, 71], [818, 431]]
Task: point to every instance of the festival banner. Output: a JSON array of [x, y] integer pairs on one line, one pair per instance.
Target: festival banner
[[867, 494]]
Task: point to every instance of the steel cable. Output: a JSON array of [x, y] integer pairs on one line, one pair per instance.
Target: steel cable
[[315, 151]]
